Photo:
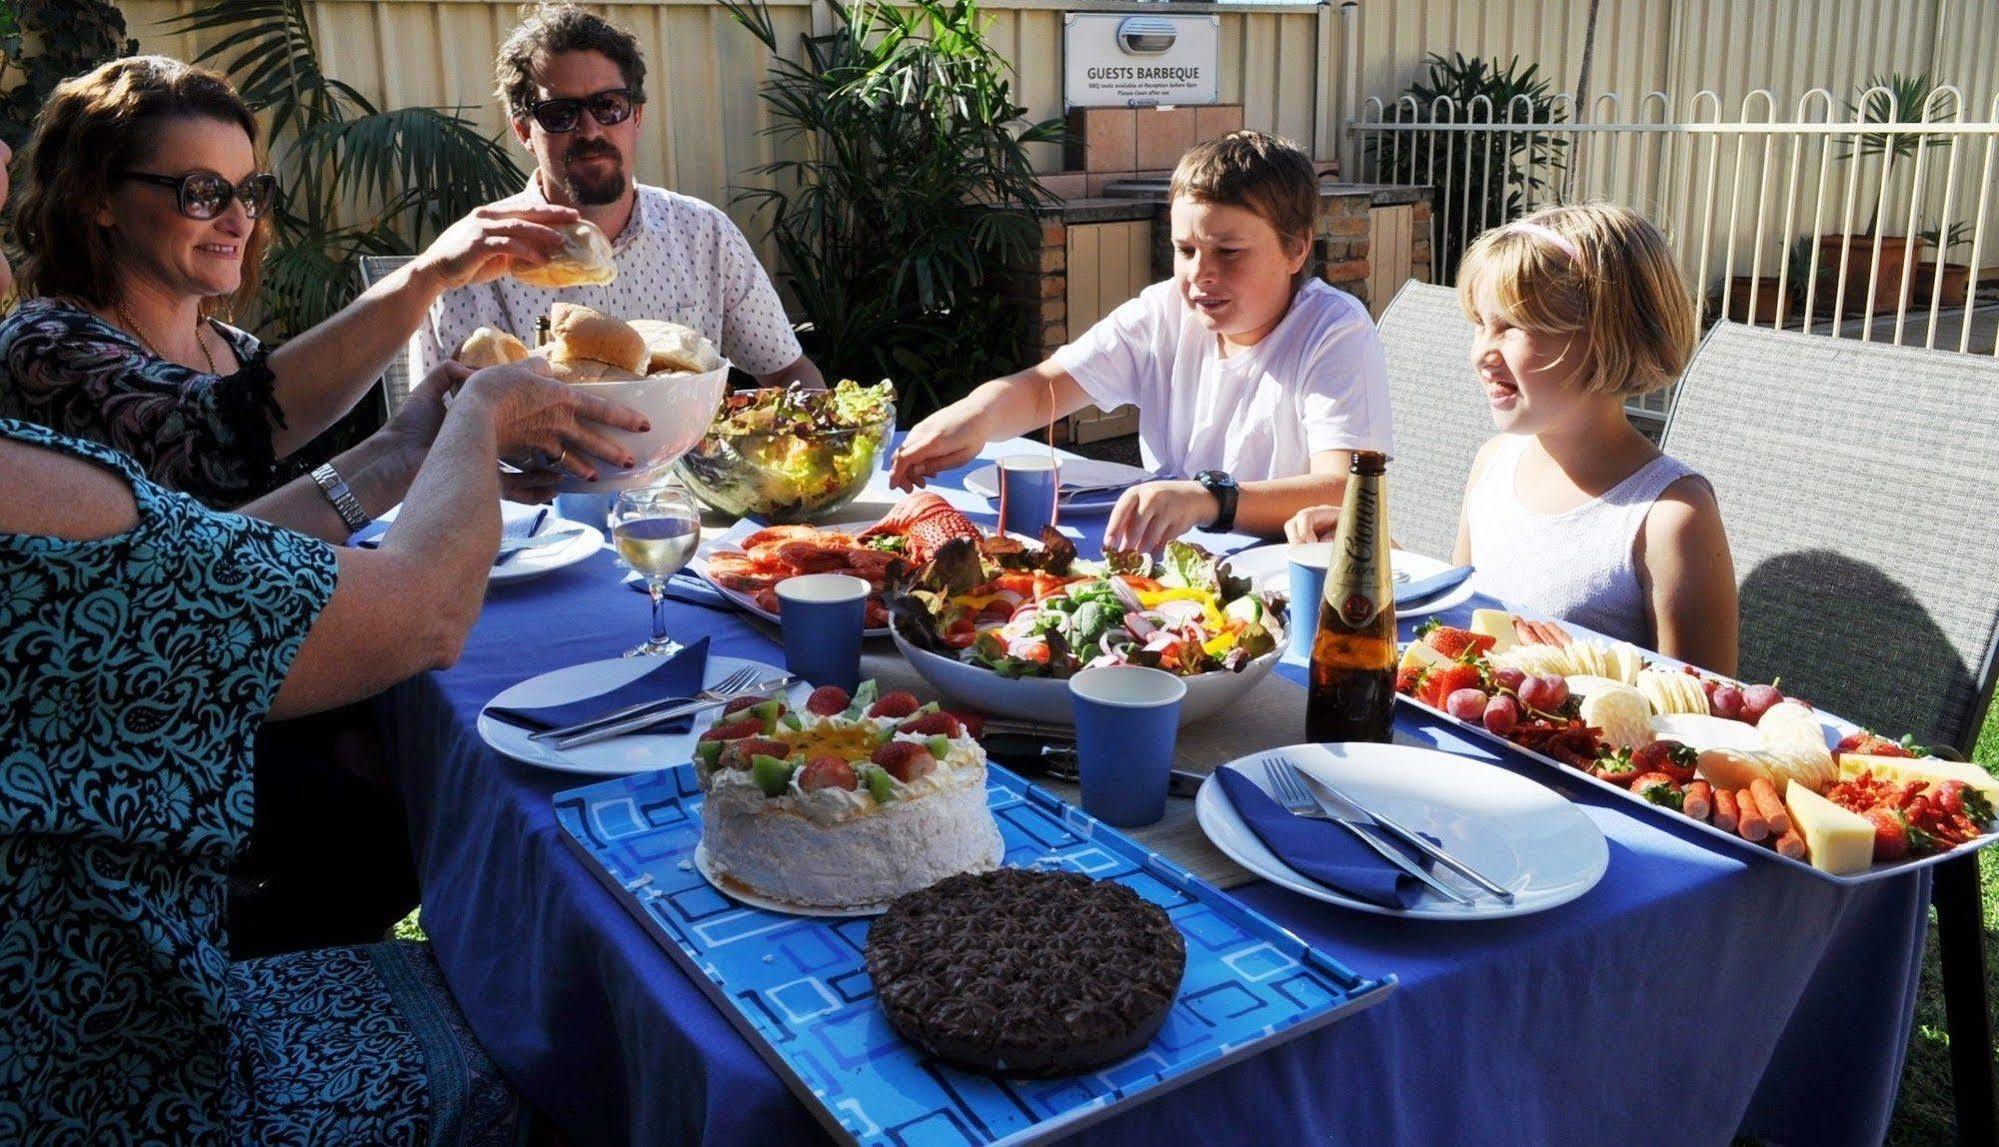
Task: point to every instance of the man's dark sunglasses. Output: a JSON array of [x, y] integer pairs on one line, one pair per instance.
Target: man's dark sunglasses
[[204, 194], [609, 107]]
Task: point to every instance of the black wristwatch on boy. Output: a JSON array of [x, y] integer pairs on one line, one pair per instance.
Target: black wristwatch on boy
[[1223, 487]]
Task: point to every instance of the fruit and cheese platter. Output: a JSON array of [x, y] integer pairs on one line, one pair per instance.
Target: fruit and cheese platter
[[1744, 763]]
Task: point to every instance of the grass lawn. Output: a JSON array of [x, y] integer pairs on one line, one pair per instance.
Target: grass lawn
[[1923, 1108]]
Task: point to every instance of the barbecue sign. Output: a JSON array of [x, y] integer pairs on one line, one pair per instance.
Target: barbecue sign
[[1114, 60]]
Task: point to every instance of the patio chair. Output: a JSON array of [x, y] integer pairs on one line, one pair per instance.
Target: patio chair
[[1860, 487], [395, 384], [1440, 417]]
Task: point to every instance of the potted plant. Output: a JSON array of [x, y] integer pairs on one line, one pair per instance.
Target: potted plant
[[1890, 99], [1952, 290]]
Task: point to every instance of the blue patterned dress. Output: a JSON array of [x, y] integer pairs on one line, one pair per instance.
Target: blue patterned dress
[[134, 672]]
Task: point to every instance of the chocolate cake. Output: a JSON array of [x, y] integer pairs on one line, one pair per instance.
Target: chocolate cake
[[1026, 973]]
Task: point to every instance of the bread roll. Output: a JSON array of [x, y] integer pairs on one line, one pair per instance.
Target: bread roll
[[585, 259], [489, 347], [672, 347], [580, 333], [583, 371]]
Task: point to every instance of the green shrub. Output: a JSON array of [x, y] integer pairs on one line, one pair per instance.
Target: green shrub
[[913, 199]]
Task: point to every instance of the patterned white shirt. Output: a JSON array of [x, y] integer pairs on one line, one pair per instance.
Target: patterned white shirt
[[679, 259]]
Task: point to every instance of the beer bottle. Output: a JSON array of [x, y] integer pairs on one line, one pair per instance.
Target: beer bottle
[[1352, 692]]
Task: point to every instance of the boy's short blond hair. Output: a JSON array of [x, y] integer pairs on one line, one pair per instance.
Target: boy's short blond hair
[[1621, 288], [1258, 172]]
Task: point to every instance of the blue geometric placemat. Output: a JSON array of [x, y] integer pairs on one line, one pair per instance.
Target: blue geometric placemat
[[798, 989]]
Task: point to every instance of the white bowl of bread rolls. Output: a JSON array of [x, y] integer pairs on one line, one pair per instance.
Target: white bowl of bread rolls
[[667, 372]]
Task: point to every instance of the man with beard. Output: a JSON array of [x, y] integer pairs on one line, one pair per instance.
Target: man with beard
[[574, 86]]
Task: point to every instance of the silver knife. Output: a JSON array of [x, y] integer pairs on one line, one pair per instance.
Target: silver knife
[[1362, 829], [639, 721], [1416, 841]]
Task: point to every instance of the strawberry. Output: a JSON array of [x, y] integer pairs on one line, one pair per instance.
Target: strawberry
[[1453, 642], [905, 760], [827, 700], [1869, 743], [737, 754], [897, 704], [1891, 833], [1444, 680], [1669, 757], [1408, 679], [733, 730], [933, 724], [975, 724], [738, 704], [828, 772]]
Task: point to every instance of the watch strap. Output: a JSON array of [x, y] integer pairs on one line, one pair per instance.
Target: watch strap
[[344, 502], [1226, 493]]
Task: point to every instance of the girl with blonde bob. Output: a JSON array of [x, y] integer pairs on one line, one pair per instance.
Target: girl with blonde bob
[[1570, 512]]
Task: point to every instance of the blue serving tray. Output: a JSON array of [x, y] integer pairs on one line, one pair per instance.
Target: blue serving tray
[[798, 989]]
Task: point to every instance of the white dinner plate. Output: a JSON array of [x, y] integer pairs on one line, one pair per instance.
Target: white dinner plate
[[1269, 568], [984, 481], [743, 896], [1523, 836], [731, 541], [533, 563], [637, 753]]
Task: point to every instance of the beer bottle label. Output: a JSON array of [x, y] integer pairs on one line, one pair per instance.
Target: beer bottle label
[[1354, 589]]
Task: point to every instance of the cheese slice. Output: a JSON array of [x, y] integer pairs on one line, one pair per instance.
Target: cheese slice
[[1919, 769], [1420, 656], [1622, 713], [1837, 841], [1496, 624]]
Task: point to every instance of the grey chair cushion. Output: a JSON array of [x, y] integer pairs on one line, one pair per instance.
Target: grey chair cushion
[[1441, 418], [396, 379], [1859, 484]]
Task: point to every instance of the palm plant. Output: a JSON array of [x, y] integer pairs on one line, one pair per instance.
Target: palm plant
[[912, 197], [358, 180], [1484, 177], [1895, 99]]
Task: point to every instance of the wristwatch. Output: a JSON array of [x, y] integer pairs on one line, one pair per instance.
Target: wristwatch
[[1223, 487], [344, 502]]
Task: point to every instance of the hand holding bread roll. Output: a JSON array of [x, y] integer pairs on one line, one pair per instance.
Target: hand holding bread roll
[[585, 259]]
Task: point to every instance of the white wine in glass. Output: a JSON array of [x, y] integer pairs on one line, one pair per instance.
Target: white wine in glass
[[656, 531]]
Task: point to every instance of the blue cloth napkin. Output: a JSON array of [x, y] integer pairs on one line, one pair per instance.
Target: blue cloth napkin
[[688, 588], [515, 522], [1321, 850], [1428, 587], [680, 675]]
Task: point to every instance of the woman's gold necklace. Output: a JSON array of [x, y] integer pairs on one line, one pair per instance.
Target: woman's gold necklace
[[125, 316]]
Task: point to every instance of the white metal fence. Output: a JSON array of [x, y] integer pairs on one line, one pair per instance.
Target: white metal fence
[[1817, 222]]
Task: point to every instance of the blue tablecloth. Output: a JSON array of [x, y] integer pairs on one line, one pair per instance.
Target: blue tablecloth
[[1690, 995]]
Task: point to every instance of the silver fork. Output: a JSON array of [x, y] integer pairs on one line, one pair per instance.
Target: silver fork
[[725, 686], [646, 721], [1290, 790]]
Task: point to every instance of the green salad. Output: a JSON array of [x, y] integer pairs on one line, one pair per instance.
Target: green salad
[[789, 454]]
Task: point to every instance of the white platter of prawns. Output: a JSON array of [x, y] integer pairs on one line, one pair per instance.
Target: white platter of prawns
[[1745, 764]]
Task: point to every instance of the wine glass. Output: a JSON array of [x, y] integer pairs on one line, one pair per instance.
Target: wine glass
[[656, 531]]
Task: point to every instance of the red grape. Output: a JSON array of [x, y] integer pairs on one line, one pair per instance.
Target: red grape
[[1545, 694], [1726, 702], [1508, 679], [1757, 700], [1502, 715], [1466, 704]]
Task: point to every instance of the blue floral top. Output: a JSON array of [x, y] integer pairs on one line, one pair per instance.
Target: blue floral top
[[134, 672], [201, 434]]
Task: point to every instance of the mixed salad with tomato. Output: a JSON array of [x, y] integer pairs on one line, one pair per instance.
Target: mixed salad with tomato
[[1185, 614]]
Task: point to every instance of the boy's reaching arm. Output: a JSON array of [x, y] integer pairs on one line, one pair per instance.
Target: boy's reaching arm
[[1150, 515], [1689, 578], [1003, 408]]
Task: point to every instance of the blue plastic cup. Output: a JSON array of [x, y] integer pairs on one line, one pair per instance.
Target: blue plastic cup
[[1127, 719], [1308, 586], [590, 509], [821, 616], [1029, 485]]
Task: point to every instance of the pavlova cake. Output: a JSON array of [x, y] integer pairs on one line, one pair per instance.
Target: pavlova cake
[[849, 803]]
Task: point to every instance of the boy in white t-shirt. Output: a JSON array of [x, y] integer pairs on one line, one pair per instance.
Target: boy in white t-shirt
[[1253, 379]]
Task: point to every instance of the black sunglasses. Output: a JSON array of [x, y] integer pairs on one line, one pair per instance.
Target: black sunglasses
[[609, 107], [204, 194]]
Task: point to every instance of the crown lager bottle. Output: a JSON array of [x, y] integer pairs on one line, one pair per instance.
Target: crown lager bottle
[[1352, 692]]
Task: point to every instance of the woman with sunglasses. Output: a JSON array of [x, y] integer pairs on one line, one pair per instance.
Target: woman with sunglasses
[[143, 216]]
